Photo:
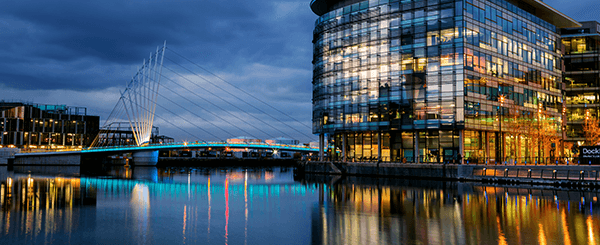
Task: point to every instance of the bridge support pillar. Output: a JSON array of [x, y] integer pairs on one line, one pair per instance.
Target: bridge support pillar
[[461, 146], [379, 147], [145, 173], [344, 153], [141, 158], [416, 147], [321, 146]]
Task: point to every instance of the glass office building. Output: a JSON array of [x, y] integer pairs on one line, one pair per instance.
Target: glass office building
[[435, 80], [582, 66]]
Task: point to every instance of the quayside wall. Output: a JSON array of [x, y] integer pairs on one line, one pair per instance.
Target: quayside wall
[[575, 175], [66, 159], [388, 170]]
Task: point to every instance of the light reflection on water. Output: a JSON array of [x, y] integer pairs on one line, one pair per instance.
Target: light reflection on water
[[267, 206], [156, 206], [371, 213]]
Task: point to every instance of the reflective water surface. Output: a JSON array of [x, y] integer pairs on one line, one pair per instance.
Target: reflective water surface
[[270, 206]]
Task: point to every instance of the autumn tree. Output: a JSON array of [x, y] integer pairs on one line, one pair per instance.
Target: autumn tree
[[549, 135], [542, 131], [567, 148], [532, 135], [516, 128], [591, 130]]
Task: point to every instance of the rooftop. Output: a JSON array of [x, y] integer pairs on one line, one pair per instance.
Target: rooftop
[[551, 15], [536, 7]]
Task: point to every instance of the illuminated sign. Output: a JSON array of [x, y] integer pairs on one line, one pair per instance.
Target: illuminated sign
[[589, 154]]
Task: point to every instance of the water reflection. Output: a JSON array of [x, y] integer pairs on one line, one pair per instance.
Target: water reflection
[[363, 211], [267, 206], [32, 206], [153, 205]]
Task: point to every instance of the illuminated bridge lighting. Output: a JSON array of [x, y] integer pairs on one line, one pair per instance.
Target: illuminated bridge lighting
[[198, 191], [206, 145], [182, 145]]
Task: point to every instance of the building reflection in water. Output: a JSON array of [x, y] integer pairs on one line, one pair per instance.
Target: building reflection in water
[[397, 214], [37, 208]]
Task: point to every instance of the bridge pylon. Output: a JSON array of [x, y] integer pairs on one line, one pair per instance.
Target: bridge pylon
[[137, 102]]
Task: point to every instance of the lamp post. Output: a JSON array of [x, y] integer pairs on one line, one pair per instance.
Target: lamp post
[[501, 99], [587, 114], [539, 132]]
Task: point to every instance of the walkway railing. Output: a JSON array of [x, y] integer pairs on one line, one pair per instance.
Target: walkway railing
[[525, 161], [573, 173], [542, 161]]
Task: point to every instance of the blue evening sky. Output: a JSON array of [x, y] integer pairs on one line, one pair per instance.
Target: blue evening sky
[[81, 53]]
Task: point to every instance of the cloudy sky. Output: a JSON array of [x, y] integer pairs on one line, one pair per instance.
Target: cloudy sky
[[82, 53]]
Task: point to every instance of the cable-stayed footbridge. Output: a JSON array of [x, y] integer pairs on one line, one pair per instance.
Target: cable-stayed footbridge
[[205, 107]]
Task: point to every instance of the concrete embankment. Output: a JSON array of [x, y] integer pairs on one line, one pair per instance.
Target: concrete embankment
[[49, 160], [455, 189], [562, 175], [434, 171], [7, 153]]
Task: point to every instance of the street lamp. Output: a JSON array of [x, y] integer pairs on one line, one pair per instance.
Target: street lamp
[[539, 133], [587, 114], [501, 99]]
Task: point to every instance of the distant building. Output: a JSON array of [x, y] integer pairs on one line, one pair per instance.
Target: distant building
[[27, 125], [282, 141], [243, 139]]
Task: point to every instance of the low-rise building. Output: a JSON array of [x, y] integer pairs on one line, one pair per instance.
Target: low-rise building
[[31, 126]]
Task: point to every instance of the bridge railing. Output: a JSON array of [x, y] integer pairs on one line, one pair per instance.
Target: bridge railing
[[183, 144], [50, 149], [212, 144]]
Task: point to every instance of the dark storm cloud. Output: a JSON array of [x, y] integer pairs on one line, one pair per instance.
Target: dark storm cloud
[[103, 41], [116, 31]]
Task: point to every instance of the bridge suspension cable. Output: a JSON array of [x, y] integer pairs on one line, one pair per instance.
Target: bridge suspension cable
[[231, 104], [183, 118], [243, 91], [212, 113], [193, 113]]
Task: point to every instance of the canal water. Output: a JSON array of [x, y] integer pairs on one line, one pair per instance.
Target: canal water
[[270, 205]]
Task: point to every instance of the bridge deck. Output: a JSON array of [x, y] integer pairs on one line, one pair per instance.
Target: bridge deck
[[173, 146]]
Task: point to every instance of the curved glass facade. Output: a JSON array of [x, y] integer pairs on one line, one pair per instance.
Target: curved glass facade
[[394, 80]]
